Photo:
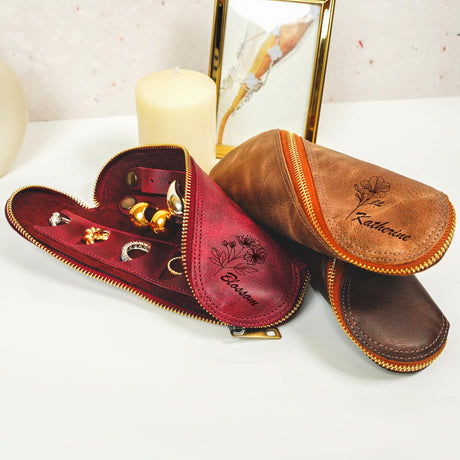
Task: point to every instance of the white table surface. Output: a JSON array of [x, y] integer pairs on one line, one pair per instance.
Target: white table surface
[[89, 371]]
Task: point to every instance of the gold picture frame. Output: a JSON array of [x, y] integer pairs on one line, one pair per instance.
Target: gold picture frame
[[268, 59]]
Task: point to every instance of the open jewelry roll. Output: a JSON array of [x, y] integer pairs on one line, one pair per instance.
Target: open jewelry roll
[[162, 229]]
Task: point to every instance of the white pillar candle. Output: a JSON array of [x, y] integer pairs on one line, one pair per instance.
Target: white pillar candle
[[13, 117], [178, 107]]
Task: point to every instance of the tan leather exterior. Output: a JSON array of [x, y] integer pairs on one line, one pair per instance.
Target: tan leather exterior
[[255, 176], [417, 213], [371, 215]]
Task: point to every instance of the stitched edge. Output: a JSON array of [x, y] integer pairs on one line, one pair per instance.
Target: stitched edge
[[441, 203], [348, 313], [197, 270]]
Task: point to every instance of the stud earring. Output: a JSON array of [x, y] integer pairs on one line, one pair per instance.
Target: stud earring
[[162, 220]]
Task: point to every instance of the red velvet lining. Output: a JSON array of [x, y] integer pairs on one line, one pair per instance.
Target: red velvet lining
[[33, 206], [270, 282]]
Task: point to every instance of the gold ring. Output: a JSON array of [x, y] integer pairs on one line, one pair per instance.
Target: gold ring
[[171, 270], [94, 234]]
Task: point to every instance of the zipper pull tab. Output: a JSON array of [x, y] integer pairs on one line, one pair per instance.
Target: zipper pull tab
[[271, 333]]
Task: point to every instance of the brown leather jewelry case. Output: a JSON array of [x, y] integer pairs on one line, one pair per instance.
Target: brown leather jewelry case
[[338, 205], [359, 225], [182, 251], [391, 319]]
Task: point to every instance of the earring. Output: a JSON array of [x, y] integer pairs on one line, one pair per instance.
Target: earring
[[137, 214], [174, 200], [161, 222]]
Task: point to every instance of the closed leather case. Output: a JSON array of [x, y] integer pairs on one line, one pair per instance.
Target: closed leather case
[[392, 319], [357, 225], [227, 269], [337, 205]]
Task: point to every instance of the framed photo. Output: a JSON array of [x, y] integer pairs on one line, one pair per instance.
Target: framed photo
[[268, 59]]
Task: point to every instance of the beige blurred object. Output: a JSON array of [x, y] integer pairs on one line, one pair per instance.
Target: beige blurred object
[[13, 117], [178, 107]]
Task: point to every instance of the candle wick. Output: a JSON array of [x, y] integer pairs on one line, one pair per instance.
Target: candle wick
[[176, 71]]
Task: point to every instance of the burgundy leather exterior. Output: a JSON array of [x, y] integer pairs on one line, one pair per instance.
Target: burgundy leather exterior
[[237, 271], [271, 279]]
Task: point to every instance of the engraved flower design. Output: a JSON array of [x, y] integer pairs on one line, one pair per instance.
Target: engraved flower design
[[373, 189], [255, 256], [239, 255], [247, 241]]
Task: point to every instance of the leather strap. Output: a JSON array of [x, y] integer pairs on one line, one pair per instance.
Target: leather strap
[[154, 181]]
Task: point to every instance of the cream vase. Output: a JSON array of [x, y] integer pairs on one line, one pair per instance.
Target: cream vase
[[13, 117]]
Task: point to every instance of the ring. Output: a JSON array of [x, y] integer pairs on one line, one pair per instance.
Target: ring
[[133, 246], [94, 234], [57, 218], [171, 270]]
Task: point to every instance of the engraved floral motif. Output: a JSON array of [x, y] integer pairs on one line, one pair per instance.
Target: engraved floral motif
[[369, 192], [255, 256], [240, 255]]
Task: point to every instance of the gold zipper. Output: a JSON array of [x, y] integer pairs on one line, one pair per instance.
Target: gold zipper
[[387, 364], [305, 195], [18, 227], [185, 222], [120, 284]]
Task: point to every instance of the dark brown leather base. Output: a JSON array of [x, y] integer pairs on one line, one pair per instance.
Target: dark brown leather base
[[392, 319]]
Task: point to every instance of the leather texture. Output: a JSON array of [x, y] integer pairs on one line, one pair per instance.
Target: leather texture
[[391, 318], [338, 205], [238, 272], [233, 272]]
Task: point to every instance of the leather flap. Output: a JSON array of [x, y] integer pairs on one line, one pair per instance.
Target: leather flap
[[237, 271], [338, 205], [376, 216]]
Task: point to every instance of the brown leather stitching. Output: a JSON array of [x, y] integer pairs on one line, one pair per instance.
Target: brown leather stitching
[[348, 313]]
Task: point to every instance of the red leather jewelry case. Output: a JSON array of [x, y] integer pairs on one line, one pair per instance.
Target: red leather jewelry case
[[192, 251]]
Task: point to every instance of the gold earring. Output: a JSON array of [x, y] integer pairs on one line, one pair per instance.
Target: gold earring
[[137, 214], [162, 223]]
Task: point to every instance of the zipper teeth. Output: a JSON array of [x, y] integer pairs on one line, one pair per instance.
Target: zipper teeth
[[120, 284], [298, 303], [398, 367], [308, 206], [188, 178], [18, 227], [185, 222]]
